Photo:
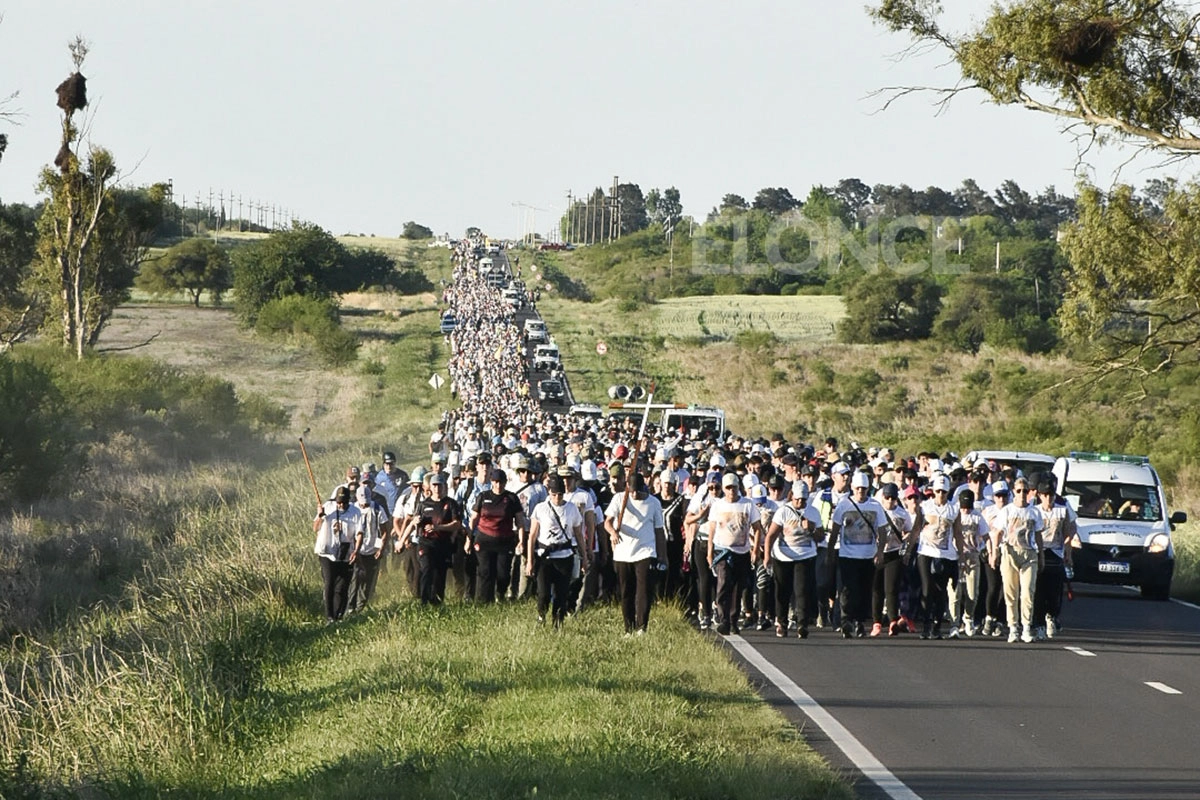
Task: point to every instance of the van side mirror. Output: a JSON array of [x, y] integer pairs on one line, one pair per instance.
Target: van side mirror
[[1178, 518]]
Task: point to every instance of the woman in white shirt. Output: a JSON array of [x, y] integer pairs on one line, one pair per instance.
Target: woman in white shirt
[[555, 536], [637, 543], [937, 555], [790, 552], [1018, 532]]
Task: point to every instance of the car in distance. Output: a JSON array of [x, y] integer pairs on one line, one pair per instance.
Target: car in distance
[[535, 331], [545, 358], [1124, 531], [586, 411], [448, 324], [550, 390]]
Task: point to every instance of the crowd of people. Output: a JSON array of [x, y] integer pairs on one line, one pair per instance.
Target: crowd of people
[[517, 502]]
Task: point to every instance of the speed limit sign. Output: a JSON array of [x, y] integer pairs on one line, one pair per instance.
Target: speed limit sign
[[601, 348]]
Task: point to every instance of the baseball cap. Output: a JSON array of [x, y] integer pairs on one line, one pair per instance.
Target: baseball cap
[[439, 457], [860, 481], [1000, 487], [438, 477], [800, 490], [714, 476], [497, 475], [758, 492], [620, 451], [616, 468], [352, 471], [389, 457], [890, 490], [940, 484], [729, 479], [342, 495], [911, 491], [840, 468], [667, 476]]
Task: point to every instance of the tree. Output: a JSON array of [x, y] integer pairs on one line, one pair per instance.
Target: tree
[[733, 202], [18, 246], [664, 207], [994, 308], [413, 230], [890, 307], [632, 207], [193, 266], [974, 201], [775, 201], [853, 193], [1129, 69], [1135, 278], [302, 260]]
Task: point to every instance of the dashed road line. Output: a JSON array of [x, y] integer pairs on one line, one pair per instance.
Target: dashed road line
[[862, 758], [1162, 687], [1079, 651]]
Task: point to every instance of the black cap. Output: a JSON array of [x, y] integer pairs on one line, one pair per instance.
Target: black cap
[[389, 457], [342, 495], [555, 484], [498, 475], [966, 498], [890, 490]]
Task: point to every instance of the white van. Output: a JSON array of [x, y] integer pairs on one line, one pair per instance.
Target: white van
[[486, 265], [535, 331], [545, 358], [1124, 530]]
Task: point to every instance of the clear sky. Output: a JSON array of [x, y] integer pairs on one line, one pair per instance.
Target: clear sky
[[361, 114]]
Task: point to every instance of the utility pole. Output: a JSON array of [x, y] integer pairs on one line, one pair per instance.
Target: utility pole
[[614, 213], [566, 224]]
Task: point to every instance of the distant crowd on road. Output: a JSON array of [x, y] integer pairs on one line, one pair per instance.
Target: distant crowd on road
[[764, 533]]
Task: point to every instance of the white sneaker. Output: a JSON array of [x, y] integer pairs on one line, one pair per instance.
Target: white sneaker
[[954, 632], [970, 628], [1013, 635], [1051, 627], [1027, 636]]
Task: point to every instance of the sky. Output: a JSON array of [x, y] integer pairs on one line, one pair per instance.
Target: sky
[[363, 114]]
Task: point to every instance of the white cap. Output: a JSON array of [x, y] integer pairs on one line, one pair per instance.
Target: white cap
[[758, 492], [717, 460], [800, 490], [940, 483], [667, 476], [861, 480], [749, 481]]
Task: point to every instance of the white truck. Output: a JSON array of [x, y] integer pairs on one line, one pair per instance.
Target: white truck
[[1124, 530]]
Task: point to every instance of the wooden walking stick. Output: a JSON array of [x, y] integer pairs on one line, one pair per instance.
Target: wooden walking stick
[[307, 463]]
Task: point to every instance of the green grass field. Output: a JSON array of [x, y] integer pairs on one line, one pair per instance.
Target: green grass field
[[803, 318]]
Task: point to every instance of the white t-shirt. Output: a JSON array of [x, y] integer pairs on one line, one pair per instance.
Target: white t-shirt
[[700, 501], [731, 522], [974, 530], [794, 542], [373, 522], [557, 526], [336, 529], [1019, 525], [903, 522], [637, 540], [860, 527], [937, 537], [1055, 523]]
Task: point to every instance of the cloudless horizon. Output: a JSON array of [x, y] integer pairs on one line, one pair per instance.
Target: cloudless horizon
[[364, 115]]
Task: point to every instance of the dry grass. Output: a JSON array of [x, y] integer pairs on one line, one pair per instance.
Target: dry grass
[[802, 318]]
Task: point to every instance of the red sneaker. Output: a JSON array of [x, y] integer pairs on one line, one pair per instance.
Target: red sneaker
[[876, 629]]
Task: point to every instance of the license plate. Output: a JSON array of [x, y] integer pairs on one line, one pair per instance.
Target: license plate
[[1118, 567]]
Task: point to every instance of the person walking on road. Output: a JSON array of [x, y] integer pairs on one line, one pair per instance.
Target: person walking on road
[[637, 544], [1018, 531], [1059, 520], [885, 588], [790, 552], [938, 549], [858, 532], [734, 521]]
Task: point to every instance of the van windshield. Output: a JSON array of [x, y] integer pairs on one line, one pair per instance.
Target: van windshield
[[694, 422], [1124, 501]]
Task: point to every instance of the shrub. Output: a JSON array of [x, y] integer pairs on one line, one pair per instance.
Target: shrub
[[35, 430], [312, 319], [890, 307]]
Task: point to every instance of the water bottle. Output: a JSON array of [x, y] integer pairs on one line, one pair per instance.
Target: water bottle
[[1068, 571]]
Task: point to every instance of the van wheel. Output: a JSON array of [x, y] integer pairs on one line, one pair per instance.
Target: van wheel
[[1156, 591]]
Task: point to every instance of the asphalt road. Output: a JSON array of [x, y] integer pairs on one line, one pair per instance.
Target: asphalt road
[[524, 313], [981, 718]]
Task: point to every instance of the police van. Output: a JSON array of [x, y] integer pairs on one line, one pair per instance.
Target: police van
[[1124, 530]]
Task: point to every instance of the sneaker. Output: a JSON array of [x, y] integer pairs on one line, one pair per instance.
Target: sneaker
[[860, 632], [1039, 634], [723, 629], [877, 630], [640, 632], [764, 624], [1051, 627], [705, 623], [779, 631], [802, 632], [925, 631], [893, 627], [937, 630], [997, 628], [906, 625], [954, 632], [970, 629], [847, 631], [541, 619], [1013, 636], [1027, 636], [989, 625]]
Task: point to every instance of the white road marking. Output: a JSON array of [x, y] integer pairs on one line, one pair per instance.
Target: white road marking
[[1185, 603], [1162, 687], [1079, 651], [864, 759]]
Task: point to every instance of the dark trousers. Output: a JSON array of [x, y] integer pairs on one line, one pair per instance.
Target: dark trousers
[[554, 583], [793, 584], [362, 585], [934, 597], [993, 605], [412, 569], [634, 579], [732, 573], [764, 588], [885, 588], [463, 567], [1048, 591], [672, 586], [493, 569], [825, 586], [858, 575], [336, 575], [704, 578], [433, 558]]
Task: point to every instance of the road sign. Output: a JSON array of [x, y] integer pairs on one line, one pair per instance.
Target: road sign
[[601, 348], [436, 381]]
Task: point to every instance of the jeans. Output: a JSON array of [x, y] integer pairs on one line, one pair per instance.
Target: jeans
[[704, 577], [493, 570], [857, 578], [362, 584], [554, 580], [885, 588], [634, 579], [732, 573], [336, 576], [793, 583], [1019, 569]]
